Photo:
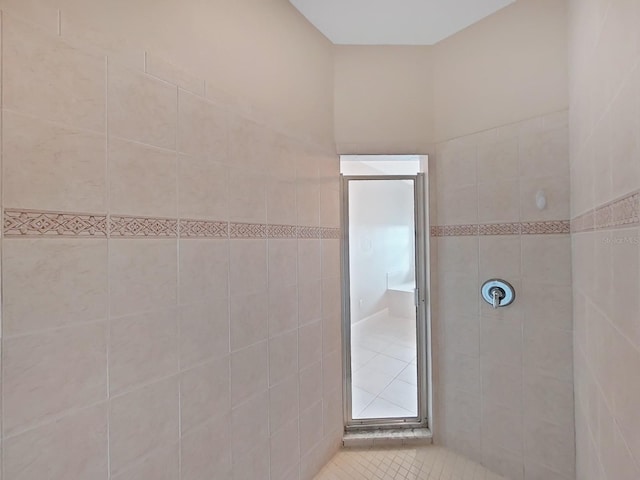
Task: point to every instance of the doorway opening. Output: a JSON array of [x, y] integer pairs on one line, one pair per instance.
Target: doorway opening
[[385, 286]]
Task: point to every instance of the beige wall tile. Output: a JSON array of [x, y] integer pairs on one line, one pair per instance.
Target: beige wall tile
[[281, 202], [142, 421], [248, 267], [74, 93], [456, 167], [309, 260], [142, 348], [162, 464], [283, 357], [205, 393], [544, 154], [556, 192], [249, 372], [50, 166], [250, 424], [283, 262], [310, 385], [47, 374], [546, 258], [500, 257], [550, 445], [74, 446], [206, 451], [548, 398], [202, 189], [309, 348], [625, 278], [141, 108], [329, 203], [499, 201], [459, 254], [457, 205], [547, 305], [308, 203], [247, 197], [331, 371], [285, 450], [50, 283], [501, 341], [331, 297], [309, 302], [202, 128], [283, 309], [250, 145], [502, 427], [148, 283], [310, 427], [498, 161], [332, 414], [331, 334], [330, 258], [283, 403], [204, 270], [548, 352], [142, 180], [204, 331], [249, 320], [252, 464], [502, 384], [159, 67]]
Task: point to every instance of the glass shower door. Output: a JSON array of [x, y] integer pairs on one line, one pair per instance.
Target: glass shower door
[[383, 315]]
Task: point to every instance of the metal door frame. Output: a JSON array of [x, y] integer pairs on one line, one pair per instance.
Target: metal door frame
[[422, 348]]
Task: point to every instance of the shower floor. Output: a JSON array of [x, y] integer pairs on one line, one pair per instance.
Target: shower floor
[[383, 365], [421, 463]]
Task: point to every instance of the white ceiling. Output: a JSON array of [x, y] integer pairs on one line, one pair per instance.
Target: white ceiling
[[394, 22]]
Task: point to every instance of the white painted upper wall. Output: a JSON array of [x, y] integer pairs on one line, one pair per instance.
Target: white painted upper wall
[[393, 22]]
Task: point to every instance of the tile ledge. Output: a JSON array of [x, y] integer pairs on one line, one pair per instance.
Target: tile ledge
[[387, 437]]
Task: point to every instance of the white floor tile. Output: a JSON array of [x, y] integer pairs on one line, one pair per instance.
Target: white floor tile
[[403, 394], [381, 408]]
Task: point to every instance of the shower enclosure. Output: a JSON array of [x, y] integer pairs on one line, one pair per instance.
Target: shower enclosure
[[384, 301]]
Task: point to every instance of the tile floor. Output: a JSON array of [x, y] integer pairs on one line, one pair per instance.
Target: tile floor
[[417, 463], [383, 366]]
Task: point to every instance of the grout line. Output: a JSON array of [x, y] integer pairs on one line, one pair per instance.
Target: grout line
[[108, 236]]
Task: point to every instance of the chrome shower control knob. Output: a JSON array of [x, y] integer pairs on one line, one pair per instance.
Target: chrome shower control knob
[[498, 293]]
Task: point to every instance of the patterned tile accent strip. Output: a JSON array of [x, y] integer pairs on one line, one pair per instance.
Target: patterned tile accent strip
[[203, 229], [53, 224], [247, 230], [282, 231], [499, 229], [121, 226], [620, 213], [331, 233], [518, 228], [31, 223]]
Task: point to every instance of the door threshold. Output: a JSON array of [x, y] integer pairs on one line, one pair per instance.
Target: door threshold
[[387, 437]]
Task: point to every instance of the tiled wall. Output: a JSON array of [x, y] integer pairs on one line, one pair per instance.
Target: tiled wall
[[503, 378], [605, 176], [171, 270]]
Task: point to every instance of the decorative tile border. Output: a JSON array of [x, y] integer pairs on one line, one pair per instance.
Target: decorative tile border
[[121, 226], [620, 213], [203, 229], [31, 223], [53, 224], [247, 230], [282, 231], [488, 229]]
